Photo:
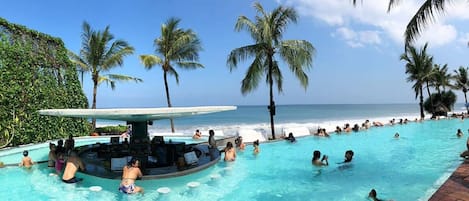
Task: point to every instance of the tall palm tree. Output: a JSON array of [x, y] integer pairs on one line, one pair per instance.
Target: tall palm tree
[[441, 77], [99, 53], [267, 32], [177, 47], [462, 80], [418, 67], [421, 18]]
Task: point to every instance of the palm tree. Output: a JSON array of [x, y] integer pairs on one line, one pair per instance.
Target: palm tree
[[267, 32], [177, 47], [441, 77], [98, 54], [421, 18], [462, 81], [418, 67]]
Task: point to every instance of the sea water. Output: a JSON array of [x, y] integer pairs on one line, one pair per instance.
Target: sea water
[[310, 116], [409, 168]]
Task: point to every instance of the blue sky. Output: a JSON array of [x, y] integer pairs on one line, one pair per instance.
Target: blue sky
[[357, 58]]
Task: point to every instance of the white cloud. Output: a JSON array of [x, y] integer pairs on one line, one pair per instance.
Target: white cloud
[[357, 39], [372, 15], [464, 39]]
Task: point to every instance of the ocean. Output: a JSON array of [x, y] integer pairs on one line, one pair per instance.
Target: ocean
[[287, 116]]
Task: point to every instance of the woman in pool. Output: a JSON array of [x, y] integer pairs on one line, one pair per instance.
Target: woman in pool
[[256, 147], [230, 152], [130, 173], [316, 161], [197, 134], [239, 143], [52, 155]]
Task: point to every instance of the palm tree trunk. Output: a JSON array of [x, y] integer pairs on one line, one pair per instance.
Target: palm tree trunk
[[168, 99], [272, 103], [422, 113], [93, 106], [430, 97], [465, 98]]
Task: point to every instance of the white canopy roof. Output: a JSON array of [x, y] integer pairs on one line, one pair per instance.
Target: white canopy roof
[[136, 114]]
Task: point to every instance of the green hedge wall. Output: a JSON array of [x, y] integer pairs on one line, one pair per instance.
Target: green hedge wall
[[36, 73]]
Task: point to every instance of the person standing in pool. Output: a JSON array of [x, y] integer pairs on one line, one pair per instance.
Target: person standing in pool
[[316, 161], [348, 157], [230, 152], [130, 173], [197, 134], [71, 167], [256, 147], [26, 162]]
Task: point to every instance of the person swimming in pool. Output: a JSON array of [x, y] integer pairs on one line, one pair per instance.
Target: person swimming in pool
[[316, 161], [26, 162], [373, 195], [130, 173], [348, 157], [72, 165], [459, 133], [230, 152]]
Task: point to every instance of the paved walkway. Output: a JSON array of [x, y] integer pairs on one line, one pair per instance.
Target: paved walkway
[[456, 188]]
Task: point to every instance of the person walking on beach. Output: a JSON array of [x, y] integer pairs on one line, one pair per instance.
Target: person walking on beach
[[72, 165], [130, 173], [26, 162], [317, 162]]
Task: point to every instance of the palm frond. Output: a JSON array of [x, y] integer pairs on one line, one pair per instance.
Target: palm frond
[[149, 61], [253, 76], [424, 15], [241, 54], [117, 77]]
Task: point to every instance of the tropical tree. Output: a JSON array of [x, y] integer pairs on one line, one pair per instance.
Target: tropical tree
[[98, 54], [267, 32], [462, 80], [441, 77], [176, 47], [419, 70], [421, 18]]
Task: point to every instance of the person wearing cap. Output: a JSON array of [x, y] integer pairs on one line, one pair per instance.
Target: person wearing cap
[[26, 162]]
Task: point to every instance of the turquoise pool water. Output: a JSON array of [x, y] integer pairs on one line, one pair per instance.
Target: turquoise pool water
[[409, 168]]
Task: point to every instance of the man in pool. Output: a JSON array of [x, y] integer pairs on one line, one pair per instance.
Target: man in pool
[[348, 157], [26, 162], [72, 165], [130, 173], [316, 161]]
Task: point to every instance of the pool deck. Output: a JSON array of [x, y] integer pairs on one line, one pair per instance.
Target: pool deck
[[456, 188]]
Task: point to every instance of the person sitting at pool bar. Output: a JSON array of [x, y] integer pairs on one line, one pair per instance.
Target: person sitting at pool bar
[[130, 173], [26, 162], [71, 167], [316, 161], [230, 152]]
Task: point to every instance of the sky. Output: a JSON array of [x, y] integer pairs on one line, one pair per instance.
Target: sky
[[356, 60]]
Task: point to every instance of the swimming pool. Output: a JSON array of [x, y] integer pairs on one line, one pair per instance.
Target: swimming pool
[[409, 168]]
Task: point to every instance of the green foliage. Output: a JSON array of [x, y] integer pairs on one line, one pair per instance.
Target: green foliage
[[111, 129], [35, 73], [446, 99]]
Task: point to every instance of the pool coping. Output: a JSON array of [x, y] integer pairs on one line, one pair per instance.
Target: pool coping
[[456, 187]]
